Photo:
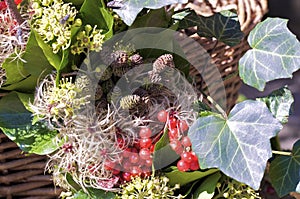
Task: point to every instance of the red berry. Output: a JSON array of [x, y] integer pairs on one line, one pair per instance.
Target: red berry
[[18, 2], [194, 156], [145, 154], [182, 165], [172, 123], [134, 158], [175, 144], [162, 116], [136, 171], [127, 152], [179, 150], [145, 132], [127, 165], [145, 142], [186, 142], [3, 5], [183, 126], [152, 148], [173, 133], [194, 165], [115, 171], [187, 157], [109, 165], [148, 162], [126, 176]]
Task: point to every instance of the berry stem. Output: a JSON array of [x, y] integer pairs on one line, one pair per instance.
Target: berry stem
[[14, 11]]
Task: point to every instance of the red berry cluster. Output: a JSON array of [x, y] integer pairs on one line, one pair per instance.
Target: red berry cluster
[[179, 141], [4, 6], [136, 160]]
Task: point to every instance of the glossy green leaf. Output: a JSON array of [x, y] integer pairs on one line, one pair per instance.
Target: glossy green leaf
[[23, 76], [37, 64], [285, 172], [154, 18], [279, 103], [51, 57], [15, 122], [13, 114], [131, 8], [93, 12], [163, 153], [36, 139], [207, 188], [275, 54], [223, 26], [183, 178], [238, 145], [94, 194]]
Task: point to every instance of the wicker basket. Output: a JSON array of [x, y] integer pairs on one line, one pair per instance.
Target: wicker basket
[[22, 176]]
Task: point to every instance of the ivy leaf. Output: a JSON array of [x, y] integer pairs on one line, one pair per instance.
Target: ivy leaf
[[94, 194], [131, 8], [207, 188], [275, 54], [279, 103], [183, 178], [238, 145], [285, 172], [15, 122], [223, 26]]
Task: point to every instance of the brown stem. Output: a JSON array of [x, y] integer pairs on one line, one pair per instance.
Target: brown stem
[[14, 11]]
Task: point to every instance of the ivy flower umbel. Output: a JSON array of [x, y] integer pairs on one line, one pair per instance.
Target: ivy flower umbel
[[154, 187], [90, 38], [53, 20], [57, 103]]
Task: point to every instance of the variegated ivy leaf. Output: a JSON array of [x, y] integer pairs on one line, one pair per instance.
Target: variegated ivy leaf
[[285, 172], [129, 9], [275, 54], [279, 103], [238, 145]]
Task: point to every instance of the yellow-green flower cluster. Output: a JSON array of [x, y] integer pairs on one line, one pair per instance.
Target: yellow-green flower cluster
[[154, 187], [90, 38], [53, 20], [233, 189], [57, 104]]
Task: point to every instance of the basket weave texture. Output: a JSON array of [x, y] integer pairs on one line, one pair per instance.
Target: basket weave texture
[[22, 176]]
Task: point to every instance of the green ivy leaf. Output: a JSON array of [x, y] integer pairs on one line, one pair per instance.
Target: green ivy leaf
[[131, 8], [15, 122], [207, 188], [223, 26], [183, 178], [238, 145], [285, 172], [94, 13], [279, 103], [275, 54]]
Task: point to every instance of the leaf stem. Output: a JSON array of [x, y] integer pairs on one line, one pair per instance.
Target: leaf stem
[[218, 107], [286, 153], [14, 11]]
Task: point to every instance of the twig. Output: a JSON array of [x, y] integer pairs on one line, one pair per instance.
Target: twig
[[14, 11]]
